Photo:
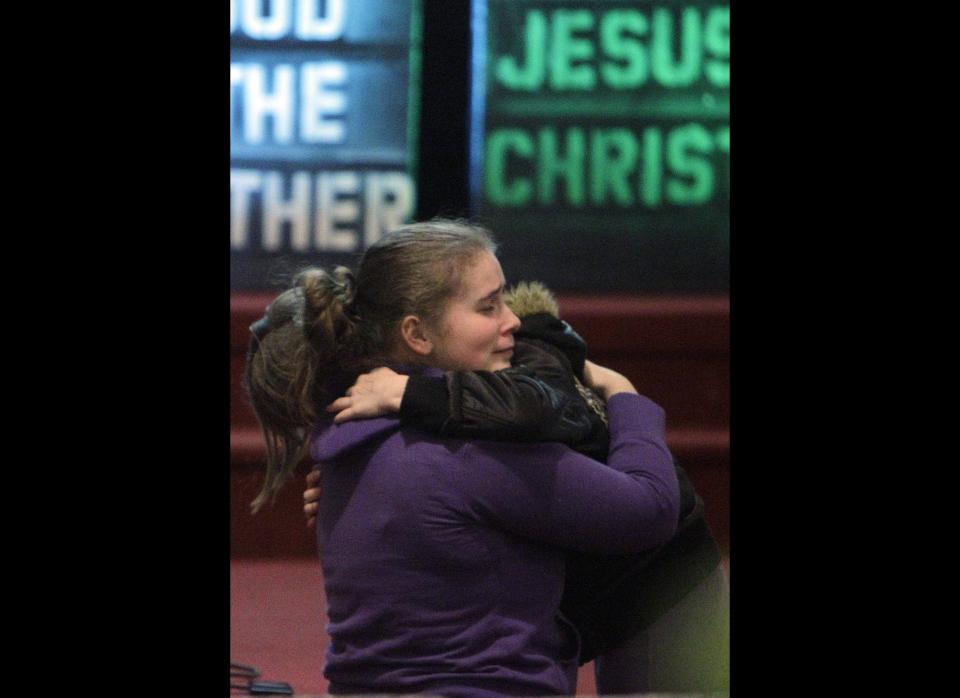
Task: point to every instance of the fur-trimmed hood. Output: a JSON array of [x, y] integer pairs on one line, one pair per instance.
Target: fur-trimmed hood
[[539, 315], [531, 298]]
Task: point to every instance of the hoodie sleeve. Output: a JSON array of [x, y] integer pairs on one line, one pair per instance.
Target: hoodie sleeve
[[550, 493]]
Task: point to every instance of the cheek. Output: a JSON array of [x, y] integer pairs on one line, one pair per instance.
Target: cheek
[[491, 332], [469, 342], [479, 336], [470, 330]]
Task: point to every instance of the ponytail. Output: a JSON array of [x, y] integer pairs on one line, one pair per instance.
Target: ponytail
[[300, 340]]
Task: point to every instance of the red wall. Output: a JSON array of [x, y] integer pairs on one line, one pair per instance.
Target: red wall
[[674, 349]]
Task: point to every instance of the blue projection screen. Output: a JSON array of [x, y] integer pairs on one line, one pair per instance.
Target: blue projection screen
[[323, 100]]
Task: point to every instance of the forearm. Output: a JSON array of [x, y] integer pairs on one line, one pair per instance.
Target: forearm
[[563, 498], [638, 448], [513, 404], [637, 506]]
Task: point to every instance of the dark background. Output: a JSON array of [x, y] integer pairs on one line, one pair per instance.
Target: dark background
[[147, 516]]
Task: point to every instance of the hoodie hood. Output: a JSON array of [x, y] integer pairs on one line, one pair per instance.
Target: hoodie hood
[[331, 441]]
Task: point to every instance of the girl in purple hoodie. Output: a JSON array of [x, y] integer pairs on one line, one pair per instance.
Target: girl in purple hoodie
[[654, 621], [444, 557]]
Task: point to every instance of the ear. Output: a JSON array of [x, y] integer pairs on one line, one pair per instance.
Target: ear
[[414, 335]]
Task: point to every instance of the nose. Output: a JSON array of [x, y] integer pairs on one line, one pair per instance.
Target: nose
[[511, 321]]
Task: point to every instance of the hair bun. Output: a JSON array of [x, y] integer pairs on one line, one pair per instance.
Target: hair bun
[[327, 297], [345, 285]]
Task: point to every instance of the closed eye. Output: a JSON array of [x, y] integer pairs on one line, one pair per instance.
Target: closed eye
[[492, 303]]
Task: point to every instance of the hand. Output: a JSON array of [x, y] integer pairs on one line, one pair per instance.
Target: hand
[[606, 381], [374, 394], [311, 497]]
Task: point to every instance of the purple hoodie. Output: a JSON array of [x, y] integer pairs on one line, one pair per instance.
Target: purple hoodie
[[443, 558]]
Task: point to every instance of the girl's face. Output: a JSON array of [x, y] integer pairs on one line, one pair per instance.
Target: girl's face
[[477, 326]]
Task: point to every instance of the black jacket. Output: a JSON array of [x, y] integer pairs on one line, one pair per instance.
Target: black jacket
[[540, 398]]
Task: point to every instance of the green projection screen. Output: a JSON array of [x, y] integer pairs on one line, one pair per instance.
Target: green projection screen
[[600, 142]]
